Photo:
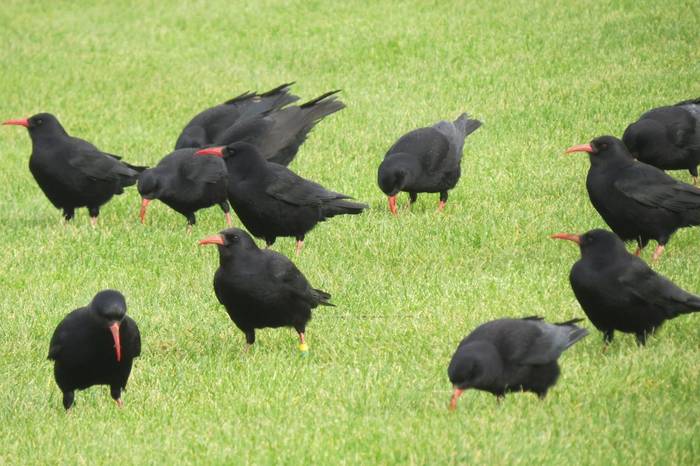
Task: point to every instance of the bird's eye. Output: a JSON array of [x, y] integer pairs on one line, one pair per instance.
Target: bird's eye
[[39, 121], [604, 145], [235, 238]]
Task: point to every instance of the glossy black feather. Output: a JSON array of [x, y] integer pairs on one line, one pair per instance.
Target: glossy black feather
[[83, 349], [639, 202], [618, 291], [272, 201], [72, 172], [426, 160], [207, 126], [262, 288], [187, 182], [667, 137], [278, 135], [508, 355]]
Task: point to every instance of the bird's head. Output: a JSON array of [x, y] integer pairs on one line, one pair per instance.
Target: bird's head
[[392, 176], [149, 189], [473, 365], [37, 124], [603, 149], [109, 306], [240, 157], [596, 243], [230, 242], [646, 135]]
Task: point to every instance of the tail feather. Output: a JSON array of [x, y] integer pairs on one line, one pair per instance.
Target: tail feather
[[137, 168], [321, 297], [284, 87], [576, 334], [318, 99], [342, 207], [688, 102], [569, 322], [319, 108], [466, 125]]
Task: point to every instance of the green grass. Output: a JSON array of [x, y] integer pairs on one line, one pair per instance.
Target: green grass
[[128, 75]]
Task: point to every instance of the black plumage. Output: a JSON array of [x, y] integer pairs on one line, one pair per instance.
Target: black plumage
[[95, 345], [637, 201], [186, 183], [70, 171], [208, 125], [667, 137], [271, 200], [426, 160], [507, 355], [261, 288], [618, 291], [279, 134]]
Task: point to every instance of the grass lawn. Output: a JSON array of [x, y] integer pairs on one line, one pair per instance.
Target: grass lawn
[[374, 390]]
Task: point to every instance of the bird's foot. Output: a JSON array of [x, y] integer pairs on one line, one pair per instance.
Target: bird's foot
[[300, 244], [119, 402], [229, 223], [441, 206], [657, 252], [638, 251], [695, 181], [189, 228], [93, 222]]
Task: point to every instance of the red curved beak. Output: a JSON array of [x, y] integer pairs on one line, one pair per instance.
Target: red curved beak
[[579, 148], [455, 396], [19, 122], [568, 236], [142, 214], [392, 204], [213, 239], [114, 328], [217, 151]]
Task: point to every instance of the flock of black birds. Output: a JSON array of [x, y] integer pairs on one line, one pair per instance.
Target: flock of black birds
[[235, 155]]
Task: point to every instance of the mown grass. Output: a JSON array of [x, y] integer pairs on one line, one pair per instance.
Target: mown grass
[[542, 76]]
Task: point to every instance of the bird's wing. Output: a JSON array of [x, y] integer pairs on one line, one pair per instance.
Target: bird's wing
[[134, 343], [204, 169], [289, 187], [97, 165], [428, 145], [654, 188], [287, 277], [552, 340], [56, 344], [649, 287]]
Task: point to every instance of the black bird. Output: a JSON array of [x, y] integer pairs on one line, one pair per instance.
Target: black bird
[[95, 345], [618, 291], [72, 172], [639, 202], [271, 201], [668, 137], [279, 134], [262, 288], [508, 355], [426, 160], [208, 125], [186, 183]]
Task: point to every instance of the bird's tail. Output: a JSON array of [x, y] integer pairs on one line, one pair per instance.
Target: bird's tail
[[322, 297], [321, 107], [137, 168], [342, 207], [689, 305], [466, 125], [575, 332], [689, 102]]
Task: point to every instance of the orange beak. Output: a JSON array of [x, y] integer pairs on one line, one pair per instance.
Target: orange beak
[[213, 239], [455, 396], [568, 236], [114, 328], [142, 214], [392, 204], [19, 122], [217, 151], [579, 148]]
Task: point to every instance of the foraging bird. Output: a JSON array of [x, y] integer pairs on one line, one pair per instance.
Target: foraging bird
[[262, 288], [95, 345], [507, 355], [618, 291], [639, 202], [668, 137], [279, 134], [208, 125], [186, 183], [71, 172], [426, 160], [271, 200]]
